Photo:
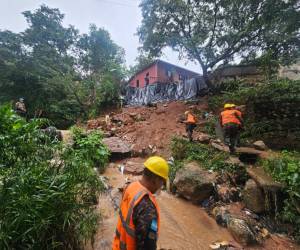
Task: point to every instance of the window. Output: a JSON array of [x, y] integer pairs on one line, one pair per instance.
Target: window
[[137, 83]]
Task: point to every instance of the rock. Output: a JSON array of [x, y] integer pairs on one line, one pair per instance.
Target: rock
[[245, 150], [235, 161], [260, 145], [159, 112], [96, 123], [253, 197], [132, 115], [218, 146], [241, 231], [263, 179], [117, 146], [204, 138], [107, 134], [227, 194], [194, 183], [134, 167], [221, 215]]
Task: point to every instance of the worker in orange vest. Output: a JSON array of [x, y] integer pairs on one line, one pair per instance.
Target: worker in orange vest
[[139, 215], [231, 122], [190, 124]]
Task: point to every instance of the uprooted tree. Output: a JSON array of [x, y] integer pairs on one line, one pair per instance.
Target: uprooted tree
[[219, 31]]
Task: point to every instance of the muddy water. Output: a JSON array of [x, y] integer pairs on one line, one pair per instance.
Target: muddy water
[[186, 226], [183, 225]]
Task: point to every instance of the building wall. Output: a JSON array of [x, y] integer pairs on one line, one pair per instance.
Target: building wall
[[163, 73], [291, 72], [141, 77], [178, 74]]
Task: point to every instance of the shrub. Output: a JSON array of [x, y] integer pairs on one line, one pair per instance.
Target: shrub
[[210, 158], [46, 191], [91, 148], [286, 169], [272, 111]]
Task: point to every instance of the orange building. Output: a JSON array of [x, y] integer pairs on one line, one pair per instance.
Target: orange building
[[160, 72]]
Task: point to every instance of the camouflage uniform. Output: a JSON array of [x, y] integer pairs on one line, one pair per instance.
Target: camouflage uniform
[[145, 220]]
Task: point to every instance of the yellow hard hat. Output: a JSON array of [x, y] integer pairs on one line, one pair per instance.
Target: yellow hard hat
[[233, 105], [158, 166], [227, 105]]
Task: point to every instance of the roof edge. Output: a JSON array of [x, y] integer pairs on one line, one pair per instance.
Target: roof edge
[[164, 62]]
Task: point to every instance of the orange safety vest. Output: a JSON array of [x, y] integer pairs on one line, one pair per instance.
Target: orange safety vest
[[125, 232], [230, 116], [191, 119]]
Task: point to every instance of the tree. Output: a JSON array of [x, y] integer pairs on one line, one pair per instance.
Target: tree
[[142, 60], [57, 70], [214, 31], [97, 53]]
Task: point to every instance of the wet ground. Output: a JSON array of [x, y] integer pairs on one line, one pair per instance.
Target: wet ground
[[183, 225]]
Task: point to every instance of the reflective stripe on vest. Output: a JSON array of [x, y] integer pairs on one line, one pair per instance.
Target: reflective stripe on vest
[[191, 118], [230, 116], [125, 232]]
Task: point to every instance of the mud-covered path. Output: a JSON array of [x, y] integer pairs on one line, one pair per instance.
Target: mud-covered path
[[183, 225]]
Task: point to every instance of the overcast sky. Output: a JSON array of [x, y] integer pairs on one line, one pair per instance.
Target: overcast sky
[[120, 17]]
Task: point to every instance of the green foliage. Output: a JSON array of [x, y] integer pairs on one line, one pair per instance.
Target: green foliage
[[62, 74], [174, 167], [272, 111], [142, 60], [47, 192], [286, 169], [210, 126], [207, 156], [214, 32], [91, 148]]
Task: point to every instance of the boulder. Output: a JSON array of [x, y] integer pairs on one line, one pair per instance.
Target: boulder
[[221, 215], [194, 183], [134, 167], [263, 179], [117, 146], [253, 197], [204, 138], [241, 231], [260, 145]]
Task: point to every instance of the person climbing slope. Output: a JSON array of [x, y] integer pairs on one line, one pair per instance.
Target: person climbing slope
[[139, 216], [190, 124], [231, 121]]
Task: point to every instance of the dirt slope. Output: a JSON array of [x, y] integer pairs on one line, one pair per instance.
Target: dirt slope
[[157, 125]]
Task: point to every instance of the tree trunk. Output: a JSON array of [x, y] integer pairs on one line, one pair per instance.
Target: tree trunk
[[206, 79]]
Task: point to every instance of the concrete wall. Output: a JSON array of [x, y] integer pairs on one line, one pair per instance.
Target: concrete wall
[[291, 72]]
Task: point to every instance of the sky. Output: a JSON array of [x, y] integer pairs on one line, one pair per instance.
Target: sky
[[120, 17]]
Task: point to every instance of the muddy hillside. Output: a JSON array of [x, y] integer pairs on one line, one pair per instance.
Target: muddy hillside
[[204, 208]]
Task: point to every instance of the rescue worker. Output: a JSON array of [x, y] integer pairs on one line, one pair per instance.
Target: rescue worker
[[20, 108], [190, 124], [139, 216], [231, 121]]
